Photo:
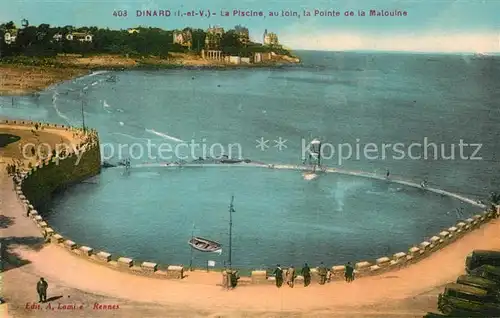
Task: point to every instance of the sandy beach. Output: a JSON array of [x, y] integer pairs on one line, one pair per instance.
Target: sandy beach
[[23, 78]]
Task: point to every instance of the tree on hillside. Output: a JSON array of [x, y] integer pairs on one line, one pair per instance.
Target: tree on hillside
[[3, 46], [198, 36], [27, 37], [40, 41], [10, 25], [111, 41], [241, 29], [230, 43], [44, 28]]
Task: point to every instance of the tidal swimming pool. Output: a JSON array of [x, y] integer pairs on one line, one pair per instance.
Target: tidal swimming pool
[[150, 214]]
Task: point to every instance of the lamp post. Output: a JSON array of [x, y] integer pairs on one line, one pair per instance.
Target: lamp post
[[191, 260], [231, 210], [83, 113], [192, 85]]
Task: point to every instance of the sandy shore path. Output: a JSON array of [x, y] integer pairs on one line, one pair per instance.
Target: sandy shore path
[[22, 80]]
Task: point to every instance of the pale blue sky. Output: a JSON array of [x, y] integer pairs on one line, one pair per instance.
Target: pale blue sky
[[463, 24]]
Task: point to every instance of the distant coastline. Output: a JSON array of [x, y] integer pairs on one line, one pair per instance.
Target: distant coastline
[[34, 57], [29, 75]]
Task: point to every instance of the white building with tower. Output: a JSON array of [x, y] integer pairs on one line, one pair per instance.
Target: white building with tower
[[270, 38]]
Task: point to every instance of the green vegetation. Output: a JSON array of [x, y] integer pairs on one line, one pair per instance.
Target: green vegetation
[[6, 139], [47, 41], [466, 301]]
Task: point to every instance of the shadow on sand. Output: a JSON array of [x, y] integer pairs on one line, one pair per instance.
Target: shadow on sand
[[53, 298], [6, 221], [9, 258]]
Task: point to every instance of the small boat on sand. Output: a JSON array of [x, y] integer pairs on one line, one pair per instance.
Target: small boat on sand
[[205, 245]]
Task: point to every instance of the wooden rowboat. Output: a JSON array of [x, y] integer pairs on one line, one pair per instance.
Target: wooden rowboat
[[205, 245]]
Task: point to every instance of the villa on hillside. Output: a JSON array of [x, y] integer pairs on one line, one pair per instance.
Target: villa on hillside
[[133, 31], [79, 36], [184, 38], [57, 37], [10, 36], [213, 50], [270, 38], [243, 34], [213, 38]]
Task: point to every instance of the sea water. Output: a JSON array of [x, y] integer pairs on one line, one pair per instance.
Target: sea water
[[341, 98]]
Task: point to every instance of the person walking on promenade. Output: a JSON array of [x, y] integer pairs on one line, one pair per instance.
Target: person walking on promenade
[[225, 279], [290, 276], [233, 278], [329, 276], [322, 271], [349, 272], [230, 274], [41, 288], [496, 212], [278, 274], [306, 273]]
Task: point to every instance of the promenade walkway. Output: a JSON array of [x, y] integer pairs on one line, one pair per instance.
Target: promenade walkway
[[199, 290]]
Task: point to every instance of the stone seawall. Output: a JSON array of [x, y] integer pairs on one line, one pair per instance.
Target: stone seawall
[[39, 181], [54, 173], [81, 161]]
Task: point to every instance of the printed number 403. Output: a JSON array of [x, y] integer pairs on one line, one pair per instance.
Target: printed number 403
[[120, 13]]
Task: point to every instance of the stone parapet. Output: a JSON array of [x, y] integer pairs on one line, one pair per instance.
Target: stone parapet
[[87, 251], [69, 244], [56, 238], [125, 262], [259, 277], [175, 272], [149, 267], [49, 232], [103, 257]]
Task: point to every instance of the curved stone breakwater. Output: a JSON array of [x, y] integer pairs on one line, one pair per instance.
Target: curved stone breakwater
[[55, 172], [251, 164]]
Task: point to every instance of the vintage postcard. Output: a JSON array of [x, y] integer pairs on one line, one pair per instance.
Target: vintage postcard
[[249, 159]]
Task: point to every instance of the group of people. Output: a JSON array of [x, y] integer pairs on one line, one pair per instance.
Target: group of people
[[229, 278], [325, 274], [12, 169], [290, 275]]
